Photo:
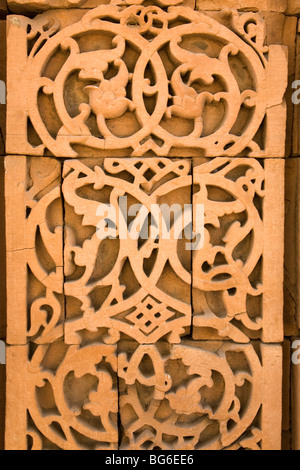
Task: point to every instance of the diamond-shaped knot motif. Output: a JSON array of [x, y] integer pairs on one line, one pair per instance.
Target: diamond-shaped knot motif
[[149, 315]]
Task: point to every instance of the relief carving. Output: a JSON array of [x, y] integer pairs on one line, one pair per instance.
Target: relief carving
[[145, 81], [117, 340], [202, 396], [34, 228]]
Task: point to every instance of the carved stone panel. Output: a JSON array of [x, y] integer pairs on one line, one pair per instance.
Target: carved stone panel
[[142, 288], [238, 273], [181, 397], [144, 207], [103, 281], [24, 6], [34, 243], [132, 279], [61, 397], [144, 81], [202, 396]]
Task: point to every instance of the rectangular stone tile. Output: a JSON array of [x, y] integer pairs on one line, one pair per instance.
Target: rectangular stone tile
[[295, 396], [25, 6], [200, 395], [34, 244], [291, 256], [293, 7], [132, 275], [2, 255], [61, 397], [2, 86], [296, 100], [238, 272], [219, 93], [244, 5], [282, 29], [2, 404]]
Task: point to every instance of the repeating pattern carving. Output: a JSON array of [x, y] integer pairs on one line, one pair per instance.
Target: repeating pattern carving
[[144, 81], [121, 107], [92, 284], [92, 312]]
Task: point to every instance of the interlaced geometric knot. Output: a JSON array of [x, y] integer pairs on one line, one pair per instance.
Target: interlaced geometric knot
[[149, 315]]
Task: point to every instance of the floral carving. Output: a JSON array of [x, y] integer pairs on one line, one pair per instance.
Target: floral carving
[[117, 340], [135, 293], [208, 395], [231, 288], [147, 80], [34, 250], [234, 293], [104, 284], [73, 405], [195, 398]]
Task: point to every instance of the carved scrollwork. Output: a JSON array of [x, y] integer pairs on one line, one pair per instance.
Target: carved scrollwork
[[44, 241], [147, 80], [72, 404], [105, 248], [143, 288], [129, 285], [227, 271], [191, 397]]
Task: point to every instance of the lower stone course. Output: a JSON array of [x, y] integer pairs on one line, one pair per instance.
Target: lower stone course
[[196, 395]]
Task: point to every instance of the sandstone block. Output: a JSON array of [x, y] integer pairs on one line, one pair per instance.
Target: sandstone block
[[243, 5], [134, 276], [238, 273], [141, 288], [200, 395], [2, 86], [2, 252], [25, 6], [206, 87], [61, 398], [126, 280], [296, 100], [291, 263], [293, 7], [34, 244]]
